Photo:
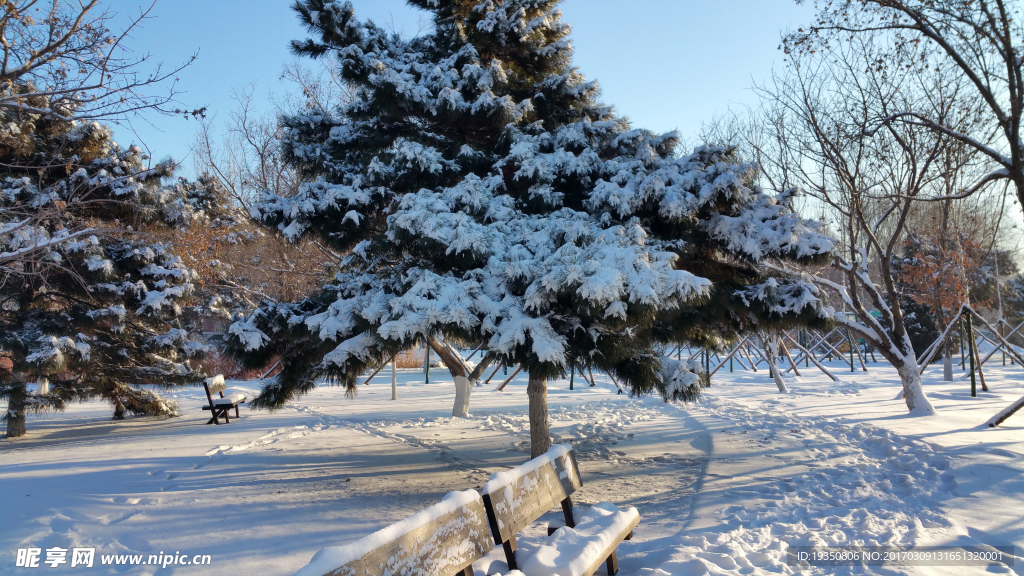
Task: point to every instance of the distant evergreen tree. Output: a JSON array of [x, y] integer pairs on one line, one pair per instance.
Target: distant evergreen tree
[[920, 323], [1013, 299], [485, 195], [87, 300]]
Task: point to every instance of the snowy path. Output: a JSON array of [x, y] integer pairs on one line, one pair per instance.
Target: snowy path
[[722, 487], [775, 478]]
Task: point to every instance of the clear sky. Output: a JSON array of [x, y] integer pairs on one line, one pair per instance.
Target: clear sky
[[666, 64]]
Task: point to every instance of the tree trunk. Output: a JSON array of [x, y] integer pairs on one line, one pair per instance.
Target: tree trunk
[[459, 369], [771, 353], [913, 392], [463, 388], [947, 362], [16, 411], [540, 438]]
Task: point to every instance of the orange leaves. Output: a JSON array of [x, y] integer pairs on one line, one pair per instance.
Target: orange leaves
[[940, 272]]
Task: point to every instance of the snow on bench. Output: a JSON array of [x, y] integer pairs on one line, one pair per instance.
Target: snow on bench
[[515, 498], [219, 406], [442, 540], [580, 551]]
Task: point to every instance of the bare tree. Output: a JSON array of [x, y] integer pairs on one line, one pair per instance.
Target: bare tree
[[821, 131], [247, 159], [980, 39], [64, 52]]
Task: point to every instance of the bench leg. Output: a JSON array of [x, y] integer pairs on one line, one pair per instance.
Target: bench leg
[[226, 419], [468, 571], [236, 412], [629, 536], [510, 553], [216, 413], [214, 416], [612, 563], [567, 513]]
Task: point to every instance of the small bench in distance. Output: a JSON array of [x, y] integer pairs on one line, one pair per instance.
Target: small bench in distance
[[516, 498], [442, 540], [219, 406]]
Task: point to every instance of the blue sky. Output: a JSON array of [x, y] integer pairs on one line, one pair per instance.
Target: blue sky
[[666, 64]]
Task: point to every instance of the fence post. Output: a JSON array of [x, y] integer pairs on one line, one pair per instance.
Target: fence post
[[426, 363], [850, 340], [970, 353], [962, 362], [1000, 325]]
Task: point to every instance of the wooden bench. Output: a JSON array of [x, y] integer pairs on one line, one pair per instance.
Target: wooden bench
[[442, 540], [516, 498], [220, 406]]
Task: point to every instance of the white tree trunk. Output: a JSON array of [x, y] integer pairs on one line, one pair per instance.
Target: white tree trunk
[[463, 388], [771, 351], [913, 392], [540, 437], [43, 386]]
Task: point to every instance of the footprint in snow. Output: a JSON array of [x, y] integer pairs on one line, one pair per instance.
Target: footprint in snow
[[110, 521]]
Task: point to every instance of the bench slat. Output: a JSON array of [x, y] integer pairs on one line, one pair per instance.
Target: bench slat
[[615, 544], [444, 547], [217, 385], [532, 494]]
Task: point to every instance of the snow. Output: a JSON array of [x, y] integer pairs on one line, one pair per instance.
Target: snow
[[571, 551], [230, 399], [722, 486], [252, 338], [681, 377], [329, 559]]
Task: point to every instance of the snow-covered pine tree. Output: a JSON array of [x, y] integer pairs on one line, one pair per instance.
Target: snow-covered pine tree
[[87, 299], [471, 179], [704, 208], [431, 113]]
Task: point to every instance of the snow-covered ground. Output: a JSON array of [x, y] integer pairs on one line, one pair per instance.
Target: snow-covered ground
[[722, 486]]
